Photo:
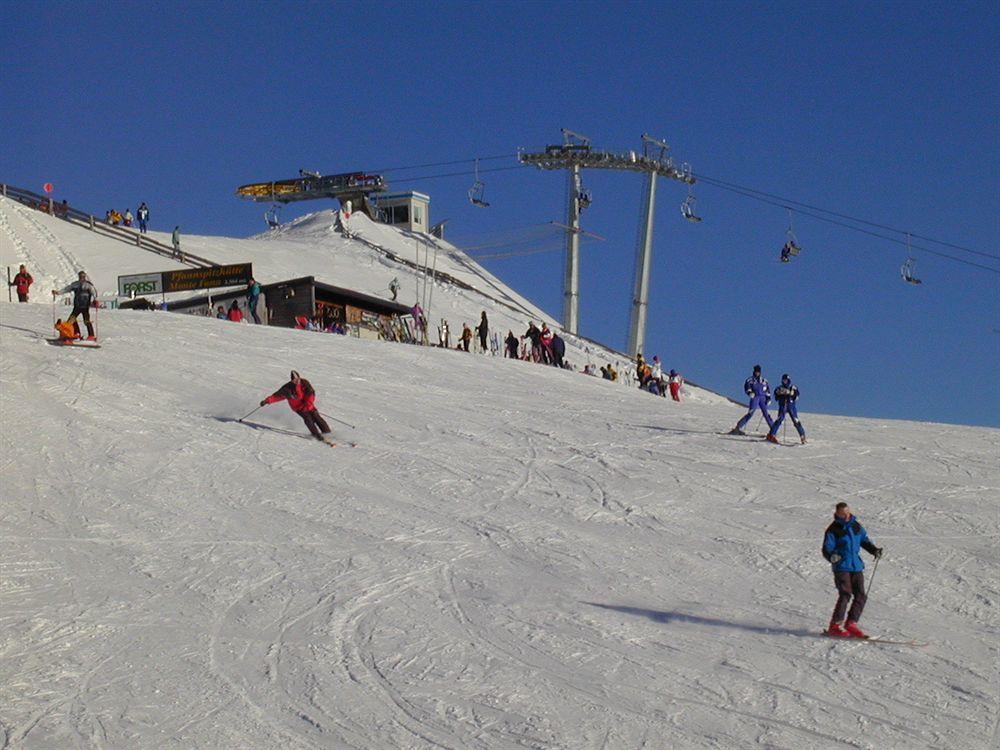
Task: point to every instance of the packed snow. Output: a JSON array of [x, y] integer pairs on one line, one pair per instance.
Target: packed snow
[[512, 556]]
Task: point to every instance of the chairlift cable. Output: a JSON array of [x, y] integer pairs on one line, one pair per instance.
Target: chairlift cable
[[754, 193], [828, 220]]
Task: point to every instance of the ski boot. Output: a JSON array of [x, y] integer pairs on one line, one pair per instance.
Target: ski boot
[[736, 431], [803, 440], [771, 439], [836, 631], [853, 630]]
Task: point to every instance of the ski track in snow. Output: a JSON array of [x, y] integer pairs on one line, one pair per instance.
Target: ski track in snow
[[513, 557]]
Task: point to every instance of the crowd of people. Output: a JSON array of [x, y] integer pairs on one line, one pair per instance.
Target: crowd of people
[[115, 218]]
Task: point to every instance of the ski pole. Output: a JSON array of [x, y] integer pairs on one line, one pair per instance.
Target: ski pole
[[247, 415], [874, 571], [339, 420], [9, 297]]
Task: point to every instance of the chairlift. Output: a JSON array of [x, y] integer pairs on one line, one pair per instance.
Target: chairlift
[[906, 270], [477, 191], [791, 248], [687, 208], [584, 198], [272, 216]]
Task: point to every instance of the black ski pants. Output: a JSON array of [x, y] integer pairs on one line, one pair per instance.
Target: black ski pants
[[85, 312], [849, 585], [315, 422]]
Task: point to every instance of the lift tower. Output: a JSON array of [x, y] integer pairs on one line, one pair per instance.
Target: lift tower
[[576, 154]]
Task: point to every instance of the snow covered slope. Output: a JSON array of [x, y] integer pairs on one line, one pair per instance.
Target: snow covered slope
[[310, 246], [514, 556]]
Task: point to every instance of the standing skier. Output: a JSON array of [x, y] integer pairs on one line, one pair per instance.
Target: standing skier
[[676, 381], [760, 396], [142, 214], [21, 281], [483, 329], [786, 394], [512, 345], [253, 296], [302, 400], [842, 544], [84, 294], [175, 238], [466, 336]]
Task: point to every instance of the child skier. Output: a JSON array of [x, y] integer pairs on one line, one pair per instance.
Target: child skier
[[759, 391], [302, 400], [786, 394], [842, 543]]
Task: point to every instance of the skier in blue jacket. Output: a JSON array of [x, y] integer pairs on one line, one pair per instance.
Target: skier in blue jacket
[[842, 544], [760, 396], [786, 394]]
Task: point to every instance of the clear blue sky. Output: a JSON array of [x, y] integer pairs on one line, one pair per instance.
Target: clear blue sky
[[884, 111]]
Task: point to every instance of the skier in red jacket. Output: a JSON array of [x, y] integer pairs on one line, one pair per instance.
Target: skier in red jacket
[[302, 399]]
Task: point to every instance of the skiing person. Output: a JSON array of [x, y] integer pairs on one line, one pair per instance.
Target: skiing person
[[842, 543], [394, 288], [142, 214], [786, 395], [253, 295], [67, 334], [302, 400], [21, 282], [175, 237], [676, 381], [483, 329], [84, 294], [545, 337], [760, 396]]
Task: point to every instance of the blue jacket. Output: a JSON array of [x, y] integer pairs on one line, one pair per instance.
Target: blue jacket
[[757, 387], [786, 394], [847, 538]]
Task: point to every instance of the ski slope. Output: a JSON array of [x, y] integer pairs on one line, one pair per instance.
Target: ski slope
[[513, 556], [313, 245]]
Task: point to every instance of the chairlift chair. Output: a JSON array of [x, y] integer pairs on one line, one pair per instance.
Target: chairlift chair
[[906, 270], [584, 198], [272, 215], [478, 191], [791, 248], [687, 208]]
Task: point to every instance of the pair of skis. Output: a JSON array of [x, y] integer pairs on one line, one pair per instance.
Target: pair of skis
[[76, 343], [870, 639], [269, 428]]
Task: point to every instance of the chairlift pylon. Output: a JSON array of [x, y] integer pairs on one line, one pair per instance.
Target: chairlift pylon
[[687, 207], [791, 248], [906, 270], [477, 191]]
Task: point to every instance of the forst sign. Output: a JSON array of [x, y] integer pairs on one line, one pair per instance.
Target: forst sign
[[140, 284], [136, 285]]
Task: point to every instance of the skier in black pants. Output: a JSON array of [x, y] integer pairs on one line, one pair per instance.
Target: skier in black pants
[[302, 399], [84, 294], [483, 330], [842, 544]]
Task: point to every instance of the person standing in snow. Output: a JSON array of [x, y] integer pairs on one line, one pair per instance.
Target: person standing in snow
[[175, 237], [394, 288], [483, 329], [676, 381], [302, 400], [253, 297], [545, 338], [142, 214], [535, 336], [235, 314], [127, 219], [558, 350], [512, 345], [757, 388], [420, 322], [21, 282], [84, 294], [842, 544], [466, 337], [786, 395]]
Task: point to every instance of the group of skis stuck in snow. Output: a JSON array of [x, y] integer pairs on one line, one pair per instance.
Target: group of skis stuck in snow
[[843, 541]]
